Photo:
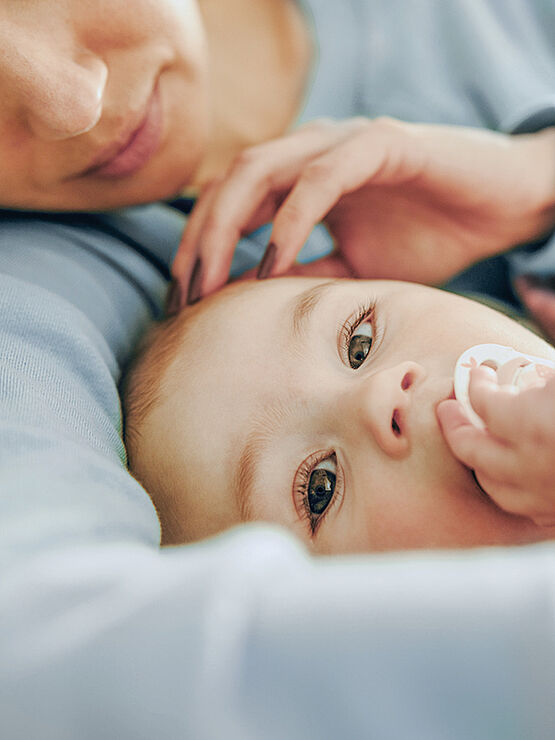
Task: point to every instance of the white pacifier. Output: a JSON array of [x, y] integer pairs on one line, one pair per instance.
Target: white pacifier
[[513, 368]]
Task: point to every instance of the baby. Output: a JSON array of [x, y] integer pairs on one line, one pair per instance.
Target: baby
[[313, 403]]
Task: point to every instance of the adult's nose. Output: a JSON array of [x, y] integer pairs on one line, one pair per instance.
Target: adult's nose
[[383, 403], [71, 102], [59, 93]]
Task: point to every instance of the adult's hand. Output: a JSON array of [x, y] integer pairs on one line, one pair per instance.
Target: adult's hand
[[404, 201]]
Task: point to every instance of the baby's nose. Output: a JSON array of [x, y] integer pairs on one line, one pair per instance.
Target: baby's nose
[[384, 406]]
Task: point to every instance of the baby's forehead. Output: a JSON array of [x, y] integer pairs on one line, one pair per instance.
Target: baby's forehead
[[228, 343], [249, 313], [246, 299]]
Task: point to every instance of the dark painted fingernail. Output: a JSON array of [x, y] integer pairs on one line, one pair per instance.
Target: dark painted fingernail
[[173, 299], [543, 282], [265, 267], [193, 294]]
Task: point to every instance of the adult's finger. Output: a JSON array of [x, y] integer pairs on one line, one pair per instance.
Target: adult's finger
[[380, 151], [187, 252], [191, 261], [256, 187], [249, 195]]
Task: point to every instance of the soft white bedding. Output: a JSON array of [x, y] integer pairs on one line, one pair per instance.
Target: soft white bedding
[[103, 635]]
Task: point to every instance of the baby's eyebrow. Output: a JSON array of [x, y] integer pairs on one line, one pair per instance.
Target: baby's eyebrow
[[246, 469], [266, 427], [263, 430], [304, 304]]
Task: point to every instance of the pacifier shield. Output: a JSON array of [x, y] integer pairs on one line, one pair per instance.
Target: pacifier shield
[[513, 368]]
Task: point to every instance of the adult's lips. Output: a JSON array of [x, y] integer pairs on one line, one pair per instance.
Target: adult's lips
[[134, 147]]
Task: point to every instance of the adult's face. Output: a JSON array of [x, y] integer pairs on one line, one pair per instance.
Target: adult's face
[[104, 103]]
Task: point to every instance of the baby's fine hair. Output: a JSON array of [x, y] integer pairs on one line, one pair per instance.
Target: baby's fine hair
[[147, 378], [144, 378]]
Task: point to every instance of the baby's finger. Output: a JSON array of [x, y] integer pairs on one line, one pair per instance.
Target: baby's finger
[[476, 448], [525, 419], [517, 499], [498, 406], [507, 497]]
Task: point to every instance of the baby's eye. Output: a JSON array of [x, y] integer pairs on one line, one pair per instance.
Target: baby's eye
[[360, 344], [321, 486]]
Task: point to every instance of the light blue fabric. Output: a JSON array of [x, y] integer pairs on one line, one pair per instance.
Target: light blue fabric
[[488, 64], [483, 63], [103, 635]]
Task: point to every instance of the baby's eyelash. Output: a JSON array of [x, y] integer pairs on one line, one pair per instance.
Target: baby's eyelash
[[346, 331], [300, 490], [301, 483]]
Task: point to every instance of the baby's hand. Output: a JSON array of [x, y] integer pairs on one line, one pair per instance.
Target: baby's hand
[[514, 456]]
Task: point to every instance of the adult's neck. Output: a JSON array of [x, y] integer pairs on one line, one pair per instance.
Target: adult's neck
[[260, 56]]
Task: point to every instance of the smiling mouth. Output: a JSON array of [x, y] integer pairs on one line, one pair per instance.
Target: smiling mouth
[[132, 151]]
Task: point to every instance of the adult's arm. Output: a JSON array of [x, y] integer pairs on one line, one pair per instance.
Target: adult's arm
[[102, 634]]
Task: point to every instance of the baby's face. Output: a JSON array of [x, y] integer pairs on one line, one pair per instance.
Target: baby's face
[[312, 404]]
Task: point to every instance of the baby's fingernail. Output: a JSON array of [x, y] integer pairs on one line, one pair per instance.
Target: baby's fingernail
[[265, 267], [173, 299], [193, 294]]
